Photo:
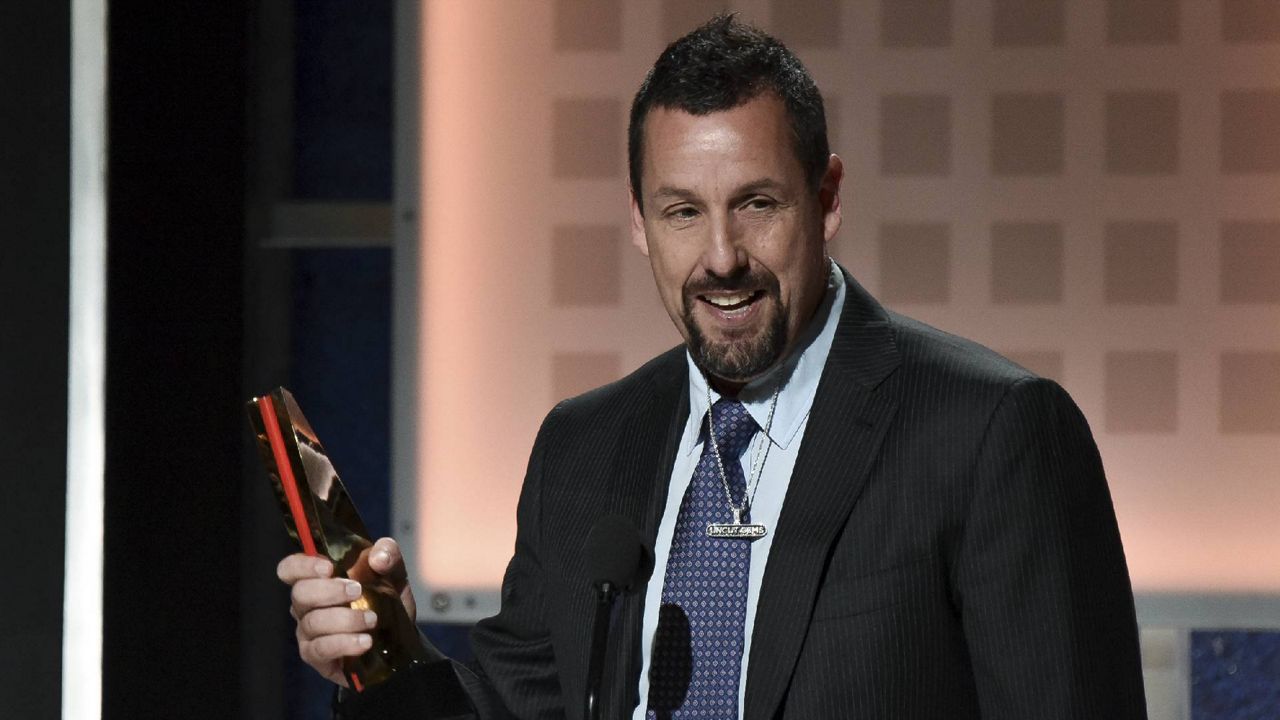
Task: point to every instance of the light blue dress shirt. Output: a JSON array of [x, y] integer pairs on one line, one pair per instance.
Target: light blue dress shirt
[[799, 374]]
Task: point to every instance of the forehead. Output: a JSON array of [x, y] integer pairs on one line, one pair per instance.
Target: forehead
[[752, 140]]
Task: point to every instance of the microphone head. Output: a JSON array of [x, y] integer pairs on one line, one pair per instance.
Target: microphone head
[[616, 553], [671, 669]]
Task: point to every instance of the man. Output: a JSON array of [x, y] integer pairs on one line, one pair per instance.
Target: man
[[933, 534]]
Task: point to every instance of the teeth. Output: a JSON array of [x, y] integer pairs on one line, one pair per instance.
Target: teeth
[[728, 300]]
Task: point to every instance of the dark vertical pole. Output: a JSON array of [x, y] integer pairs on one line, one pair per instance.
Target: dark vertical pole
[[266, 629], [35, 80], [174, 399]]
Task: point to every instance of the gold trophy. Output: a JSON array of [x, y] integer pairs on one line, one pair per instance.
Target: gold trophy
[[320, 516]]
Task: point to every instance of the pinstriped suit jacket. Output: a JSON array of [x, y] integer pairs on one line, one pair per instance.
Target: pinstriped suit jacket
[[947, 547]]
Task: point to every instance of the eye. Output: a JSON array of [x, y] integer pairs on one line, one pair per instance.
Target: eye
[[682, 213], [759, 202]]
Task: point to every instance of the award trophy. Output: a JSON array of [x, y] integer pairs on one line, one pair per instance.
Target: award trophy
[[321, 517]]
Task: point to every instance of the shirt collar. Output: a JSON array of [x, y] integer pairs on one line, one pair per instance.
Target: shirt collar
[[799, 375]]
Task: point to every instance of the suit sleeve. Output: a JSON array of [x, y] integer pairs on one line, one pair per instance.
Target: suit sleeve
[[1041, 581], [514, 674]]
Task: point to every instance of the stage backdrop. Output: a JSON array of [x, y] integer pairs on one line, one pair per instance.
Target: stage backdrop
[[1092, 188]]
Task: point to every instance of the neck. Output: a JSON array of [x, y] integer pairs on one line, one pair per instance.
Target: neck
[[726, 388]]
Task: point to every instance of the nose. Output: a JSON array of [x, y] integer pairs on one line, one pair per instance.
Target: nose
[[724, 255]]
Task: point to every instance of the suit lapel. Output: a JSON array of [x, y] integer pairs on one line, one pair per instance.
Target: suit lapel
[[846, 424], [651, 437]]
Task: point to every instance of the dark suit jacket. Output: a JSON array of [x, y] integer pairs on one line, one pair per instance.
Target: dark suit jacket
[[947, 547]]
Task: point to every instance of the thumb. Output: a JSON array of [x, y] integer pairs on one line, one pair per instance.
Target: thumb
[[386, 559]]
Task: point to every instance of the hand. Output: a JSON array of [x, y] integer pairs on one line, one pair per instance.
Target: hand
[[328, 628]]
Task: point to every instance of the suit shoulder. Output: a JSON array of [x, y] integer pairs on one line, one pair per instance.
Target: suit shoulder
[[941, 357], [960, 385]]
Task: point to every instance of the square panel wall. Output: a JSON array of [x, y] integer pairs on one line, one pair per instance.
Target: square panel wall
[[915, 135], [586, 25], [1250, 139], [915, 262], [1141, 391], [806, 23], [681, 16], [915, 23], [1028, 134], [1143, 22], [1250, 262], [586, 265], [1142, 133], [1140, 263], [1250, 21], [1028, 23], [1250, 393], [586, 138], [1026, 263]]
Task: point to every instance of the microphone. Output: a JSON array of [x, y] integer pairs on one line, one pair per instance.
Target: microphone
[[671, 668], [618, 560]]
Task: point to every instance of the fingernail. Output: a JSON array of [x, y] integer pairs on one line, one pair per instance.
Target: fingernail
[[364, 641], [370, 618], [382, 556], [353, 589], [322, 567]]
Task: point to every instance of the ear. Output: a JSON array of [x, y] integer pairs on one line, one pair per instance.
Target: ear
[[638, 237], [829, 197]]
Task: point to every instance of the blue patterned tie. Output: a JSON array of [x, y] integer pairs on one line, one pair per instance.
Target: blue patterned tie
[[697, 653]]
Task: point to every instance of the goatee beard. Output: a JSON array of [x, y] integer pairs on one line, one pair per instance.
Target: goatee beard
[[742, 360]]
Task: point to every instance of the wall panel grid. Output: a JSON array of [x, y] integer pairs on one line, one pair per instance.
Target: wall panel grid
[[1092, 188]]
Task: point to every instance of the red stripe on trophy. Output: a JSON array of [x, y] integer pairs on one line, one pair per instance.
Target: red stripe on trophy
[[271, 423]]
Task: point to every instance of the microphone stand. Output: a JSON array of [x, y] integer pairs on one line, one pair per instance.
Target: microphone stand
[[605, 594]]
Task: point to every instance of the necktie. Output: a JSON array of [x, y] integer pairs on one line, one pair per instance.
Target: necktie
[[697, 652]]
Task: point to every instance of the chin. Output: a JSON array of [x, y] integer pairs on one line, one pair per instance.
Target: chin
[[740, 360]]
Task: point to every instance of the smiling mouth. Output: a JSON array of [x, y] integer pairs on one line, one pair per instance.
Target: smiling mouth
[[729, 302]]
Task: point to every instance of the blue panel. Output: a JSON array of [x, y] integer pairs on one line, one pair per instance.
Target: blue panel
[[1235, 675], [341, 366], [341, 373], [342, 100]]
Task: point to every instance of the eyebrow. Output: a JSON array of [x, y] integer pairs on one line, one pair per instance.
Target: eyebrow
[[764, 183], [671, 191]]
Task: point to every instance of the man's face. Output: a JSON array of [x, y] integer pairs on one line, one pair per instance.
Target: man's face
[[734, 232]]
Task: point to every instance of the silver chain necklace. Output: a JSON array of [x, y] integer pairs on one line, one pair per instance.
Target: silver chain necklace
[[738, 529]]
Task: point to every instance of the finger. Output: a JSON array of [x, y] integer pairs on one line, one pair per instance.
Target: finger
[[299, 566], [335, 647], [386, 558], [335, 621], [312, 593]]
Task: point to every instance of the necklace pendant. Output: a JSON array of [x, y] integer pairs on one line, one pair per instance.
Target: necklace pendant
[[736, 529], [748, 531]]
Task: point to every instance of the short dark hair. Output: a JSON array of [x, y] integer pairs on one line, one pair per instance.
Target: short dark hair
[[722, 65]]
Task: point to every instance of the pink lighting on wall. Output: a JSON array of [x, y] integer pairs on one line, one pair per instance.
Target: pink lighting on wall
[[485, 120], [1198, 502]]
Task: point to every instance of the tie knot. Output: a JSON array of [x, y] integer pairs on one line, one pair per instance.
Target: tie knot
[[733, 426]]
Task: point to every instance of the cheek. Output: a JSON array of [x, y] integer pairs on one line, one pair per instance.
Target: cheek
[[795, 262], [671, 267]]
